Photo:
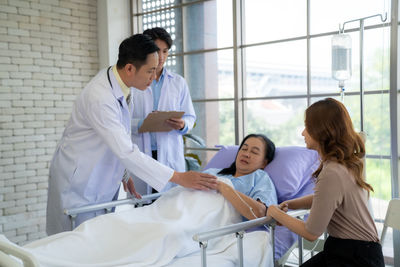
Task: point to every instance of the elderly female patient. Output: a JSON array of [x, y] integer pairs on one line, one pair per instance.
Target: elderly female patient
[[253, 189], [157, 234]]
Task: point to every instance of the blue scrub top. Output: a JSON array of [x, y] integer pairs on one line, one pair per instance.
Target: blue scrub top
[[257, 185], [156, 86]]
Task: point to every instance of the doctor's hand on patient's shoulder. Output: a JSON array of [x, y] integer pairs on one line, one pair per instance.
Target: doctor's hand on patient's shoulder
[[130, 186], [195, 180]]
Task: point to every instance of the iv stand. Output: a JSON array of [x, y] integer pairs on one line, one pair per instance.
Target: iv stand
[[341, 30]]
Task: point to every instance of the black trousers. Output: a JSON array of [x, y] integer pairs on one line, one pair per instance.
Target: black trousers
[[348, 252], [154, 156]]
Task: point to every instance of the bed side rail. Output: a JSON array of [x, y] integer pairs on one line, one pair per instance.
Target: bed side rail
[[239, 229], [108, 206], [12, 256]]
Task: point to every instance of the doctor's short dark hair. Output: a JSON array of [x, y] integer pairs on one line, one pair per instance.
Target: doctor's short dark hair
[[159, 33], [134, 50]]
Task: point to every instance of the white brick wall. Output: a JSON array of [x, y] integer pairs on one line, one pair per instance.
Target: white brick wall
[[48, 52]]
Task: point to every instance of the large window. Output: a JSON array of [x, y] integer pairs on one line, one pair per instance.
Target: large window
[[266, 61]]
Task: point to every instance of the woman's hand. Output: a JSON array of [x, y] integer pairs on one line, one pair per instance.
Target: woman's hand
[[274, 209], [284, 206]]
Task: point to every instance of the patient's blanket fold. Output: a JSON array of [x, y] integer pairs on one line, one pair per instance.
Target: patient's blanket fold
[[149, 236]]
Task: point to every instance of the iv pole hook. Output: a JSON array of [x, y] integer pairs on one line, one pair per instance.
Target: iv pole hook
[[383, 19]]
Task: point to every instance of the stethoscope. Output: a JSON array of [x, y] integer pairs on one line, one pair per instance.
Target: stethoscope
[[109, 80], [108, 76]]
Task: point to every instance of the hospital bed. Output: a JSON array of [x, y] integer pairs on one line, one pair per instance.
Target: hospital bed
[[291, 173], [238, 230]]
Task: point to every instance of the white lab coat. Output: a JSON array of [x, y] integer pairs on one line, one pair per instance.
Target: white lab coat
[[95, 148], [174, 96]]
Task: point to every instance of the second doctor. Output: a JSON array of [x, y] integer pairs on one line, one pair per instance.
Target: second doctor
[[168, 92]]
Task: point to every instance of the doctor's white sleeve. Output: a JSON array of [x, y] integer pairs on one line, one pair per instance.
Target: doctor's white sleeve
[[105, 118]]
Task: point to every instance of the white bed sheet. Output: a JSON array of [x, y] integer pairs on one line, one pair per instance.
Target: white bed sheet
[[156, 235], [257, 252]]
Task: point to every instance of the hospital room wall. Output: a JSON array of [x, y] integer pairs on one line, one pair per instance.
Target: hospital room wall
[[113, 27], [48, 52]]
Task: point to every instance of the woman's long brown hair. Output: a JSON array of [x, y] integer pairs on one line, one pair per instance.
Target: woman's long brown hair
[[329, 124]]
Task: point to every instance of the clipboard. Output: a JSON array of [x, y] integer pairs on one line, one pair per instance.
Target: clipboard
[[155, 121]]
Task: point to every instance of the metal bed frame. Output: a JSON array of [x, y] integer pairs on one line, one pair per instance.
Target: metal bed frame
[[202, 238]]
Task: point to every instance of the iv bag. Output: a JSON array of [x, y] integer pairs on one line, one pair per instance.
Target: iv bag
[[341, 57]]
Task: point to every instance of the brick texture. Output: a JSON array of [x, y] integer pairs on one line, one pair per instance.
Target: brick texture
[[48, 52]]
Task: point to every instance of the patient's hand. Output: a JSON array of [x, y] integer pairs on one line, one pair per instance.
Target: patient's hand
[[221, 185], [195, 180]]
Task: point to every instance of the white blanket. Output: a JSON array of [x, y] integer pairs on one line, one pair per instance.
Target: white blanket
[[155, 235]]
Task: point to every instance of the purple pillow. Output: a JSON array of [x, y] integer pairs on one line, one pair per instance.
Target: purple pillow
[[223, 158], [290, 170]]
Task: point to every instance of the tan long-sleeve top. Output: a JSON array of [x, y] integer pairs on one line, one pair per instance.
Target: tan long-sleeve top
[[340, 206]]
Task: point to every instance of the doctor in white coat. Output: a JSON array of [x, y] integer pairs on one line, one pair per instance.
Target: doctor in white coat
[[168, 92], [96, 146]]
